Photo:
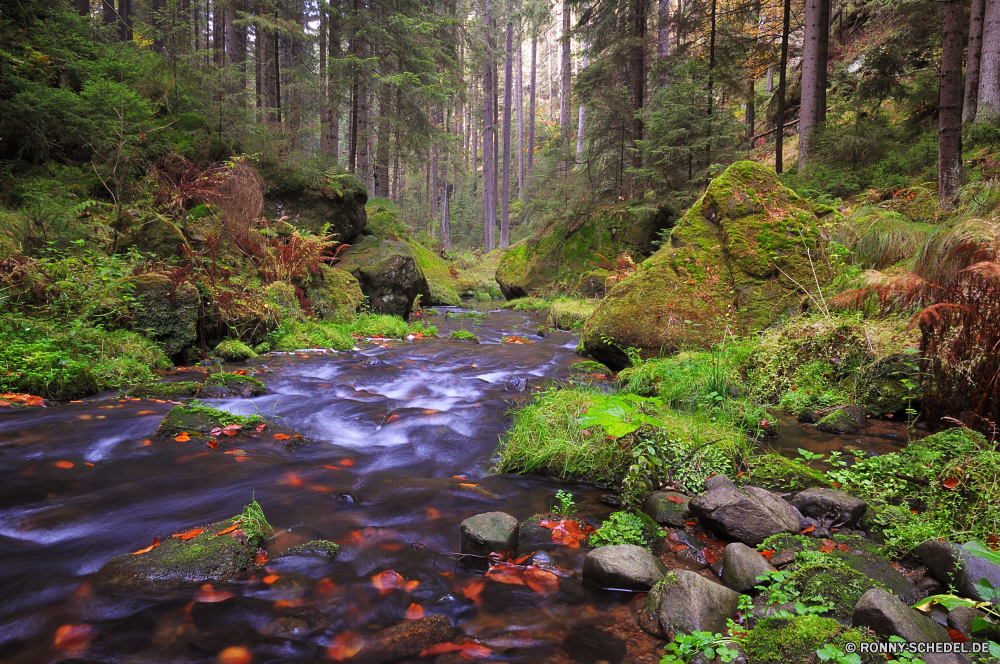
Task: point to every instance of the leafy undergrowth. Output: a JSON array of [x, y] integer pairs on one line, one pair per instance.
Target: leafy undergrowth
[[945, 485], [59, 361], [294, 334], [627, 528]]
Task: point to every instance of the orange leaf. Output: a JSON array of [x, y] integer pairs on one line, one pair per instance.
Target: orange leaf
[[210, 594], [690, 523], [473, 590], [518, 561], [411, 585], [440, 649], [347, 463], [992, 539], [191, 534], [147, 412], [506, 573], [260, 559], [147, 442], [842, 547], [675, 499], [950, 483], [270, 578], [391, 417], [475, 651], [227, 530], [325, 586], [540, 580], [183, 438], [415, 612], [957, 636], [261, 427], [156, 543], [827, 546], [235, 655], [281, 436], [808, 529], [387, 581], [87, 463], [213, 443], [72, 637], [64, 464], [767, 554], [345, 646]]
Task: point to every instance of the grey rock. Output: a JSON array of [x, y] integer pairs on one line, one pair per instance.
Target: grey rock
[[718, 481], [953, 566], [847, 419], [665, 511], [829, 506], [783, 557], [750, 515], [623, 567], [485, 533], [687, 602], [960, 618], [887, 616], [741, 566]]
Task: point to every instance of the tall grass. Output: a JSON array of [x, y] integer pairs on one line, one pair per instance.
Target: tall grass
[[879, 239]]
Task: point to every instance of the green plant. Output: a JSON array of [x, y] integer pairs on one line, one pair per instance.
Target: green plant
[[781, 589], [462, 335], [564, 504], [252, 519], [622, 414], [627, 528], [805, 457], [685, 647], [836, 654]]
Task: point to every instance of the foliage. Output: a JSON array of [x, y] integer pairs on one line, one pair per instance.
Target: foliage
[[463, 335], [627, 528], [685, 647], [564, 504], [234, 351], [253, 521], [526, 304]]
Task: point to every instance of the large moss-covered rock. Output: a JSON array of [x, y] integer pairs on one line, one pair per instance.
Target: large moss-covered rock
[[440, 283], [796, 640], [334, 294], [207, 556], [167, 313], [572, 246], [338, 203], [732, 261], [387, 273], [156, 235], [782, 475], [198, 420]]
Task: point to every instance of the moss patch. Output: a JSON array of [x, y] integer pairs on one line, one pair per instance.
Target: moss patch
[[168, 314], [171, 390], [780, 474], [225, 384], [570, 314], [318, 548], [463, 335], [200, 417], [796, 640], [234, 351], [440, 283], [527, 304]]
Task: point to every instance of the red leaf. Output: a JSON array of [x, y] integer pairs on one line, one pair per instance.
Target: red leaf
[[767, 554], [415, 612], [992, 539], [809, 529], [227, 530], [827, 546], [156, 543], [345, 646], [475, 651], [387, 581], [440, 649], [675, 499], [213, 444], [957, 636], [191, 534], [64, 464], [950, 483], [183, 437], [842, 547], [270, 578]]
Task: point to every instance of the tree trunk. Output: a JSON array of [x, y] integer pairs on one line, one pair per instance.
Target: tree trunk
[[507, 89], [489, 141], [751, 109], [324, 100], [296, 76], [548, 69], [82, 6], [824, 61], [810, 77], [382, 153], [352, 159], [364, 171], [565, 75], [662, 41], [950, 104], [988, 104], [531, 104], [110, 15], [434, 183], [579, 122], [769, 85], [218, 32], [125, 20], [638, 76], [519, 115], [972, 67], [779, 134]]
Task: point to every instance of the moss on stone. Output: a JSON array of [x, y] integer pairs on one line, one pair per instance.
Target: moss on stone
[[387, 273], [282, 295], [440, 283], [780, 474], [463, 335], [334, 294], [168, 390], [226, 384], [199, 417], [156, 235], [825, 580], [731, 263], [527, 304], [839, 421], [796, 640], [589, 367], [167, 314], [234, 351], [319, 548], [336, 206], [570, 313]]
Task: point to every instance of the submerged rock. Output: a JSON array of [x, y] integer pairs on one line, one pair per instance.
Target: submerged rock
[[589, 646], [199, 419], [207, 556], [316, 548], [178, 389], [847, 419], [223, 384], [485, 533], [407, 639], [623, 567], [685, 602], [750, 515], [733, 260]]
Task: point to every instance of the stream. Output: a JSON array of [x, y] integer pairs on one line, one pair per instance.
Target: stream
[[405, 435]]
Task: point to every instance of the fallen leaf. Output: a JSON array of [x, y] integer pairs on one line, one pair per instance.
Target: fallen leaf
[[690, 523], [387, 581], [842, 547], [156, 543], [808, 529], [270, 578], [147, 442], [261, 427], [228, 530], [87, 463], [183, 438], [217, 431], [209, 594], [72, 637], [191, 534], [347, 463], [25, 399], [767, 554], [675, 499], [147, 412], [827, 546], [957, 636], [992, 539], [411, 585], [518, 561], [473, 590], [235, 655], [213, 443], [64, 464], [231, 429], [440, 649], [325, 586], [281, 436], [950, 483], [475, 651], [541, 581], [237, 452], [415, 612], [344, 646]]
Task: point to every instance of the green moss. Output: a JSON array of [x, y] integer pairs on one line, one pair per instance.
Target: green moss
[[796, 640], [627, 528], [839, 421], [234, 351], [231, 384], [282, 295], [569, 314], [320, 548], [823, 580], [334, 294], [780, 474], [167, 314], [589, 367], [262, 348], [295, 335], [167, 390], [527, 304], [463, 335], [198, 416], [439, 279]]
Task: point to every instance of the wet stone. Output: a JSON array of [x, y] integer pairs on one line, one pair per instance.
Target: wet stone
[[750, 515], [687, 602], [590, 646], [485, 533], [741, 566], [829, 506], [887, 616], [667, 508], [407, 639], [623, 567]]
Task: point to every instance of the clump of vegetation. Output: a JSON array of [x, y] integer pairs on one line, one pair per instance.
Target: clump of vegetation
[[165, 390], [234, 350], [527, 304], [463, 335], [569, 314], [253, 522], [298, 334], [627, 528]]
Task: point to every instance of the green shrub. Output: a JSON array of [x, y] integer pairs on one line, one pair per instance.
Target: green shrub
[[234, 351], [627, 528]]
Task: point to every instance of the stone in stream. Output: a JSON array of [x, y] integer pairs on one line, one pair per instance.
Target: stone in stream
[[887, 616], [388, 274], [685, 602], [847, 419], [315, 548], [830, 507], [750, 515], [623, 567], [953, 566], [404, 640], [667, 508], [589, 646], [223, 385], [485, 533], [208, 556], [198, 418], [741, 566]]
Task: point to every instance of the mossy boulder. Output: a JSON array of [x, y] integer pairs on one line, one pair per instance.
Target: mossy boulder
[[593, 284], [781, 475], [387, 273], [198, 420], [796, 640], [315, 548], [338, 205], [234, 350], [333, 293], [178, 389], [829, 582], [209, 556], [848, 419], [156, 235], [167, 313], [732, 261], [570, 314], [224, 384], [572, 246], [283, 296], [440, 283]]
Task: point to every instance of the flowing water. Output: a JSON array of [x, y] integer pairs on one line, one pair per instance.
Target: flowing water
[[405, 433]]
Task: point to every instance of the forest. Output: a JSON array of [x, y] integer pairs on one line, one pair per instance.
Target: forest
[[569, 331]]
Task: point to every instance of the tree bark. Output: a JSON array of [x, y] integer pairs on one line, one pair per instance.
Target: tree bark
[[507, 89], [548, 70], [579, 122], [519, 115], [824, 60], [779, 135], [751, 109], [531, 104], [324, 104], [382, 153], [434, 183], [109, 15], [810, 77], [662, 41], [769, 85], [950, 104], [988, 104], [489, 132], [125, 20], [565, 74], [638, 76], [971, 103], [82, 6]]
